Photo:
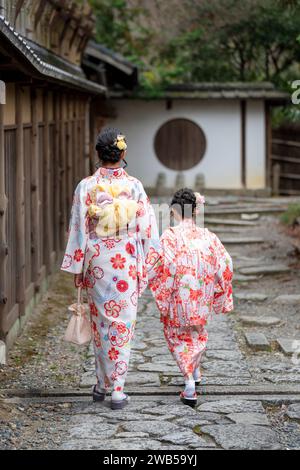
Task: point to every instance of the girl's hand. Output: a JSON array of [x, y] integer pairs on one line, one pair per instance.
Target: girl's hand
[[78, 280]]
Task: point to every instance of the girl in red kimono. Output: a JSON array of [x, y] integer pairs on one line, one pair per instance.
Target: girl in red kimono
[[191, 279]]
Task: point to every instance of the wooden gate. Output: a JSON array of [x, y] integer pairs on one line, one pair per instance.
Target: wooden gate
[[285, 171]]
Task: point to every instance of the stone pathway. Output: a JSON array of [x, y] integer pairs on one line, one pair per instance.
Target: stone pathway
[[250, 391], [242, 358]]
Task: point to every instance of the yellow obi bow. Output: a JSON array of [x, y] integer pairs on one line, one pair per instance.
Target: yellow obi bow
[[113, 207]]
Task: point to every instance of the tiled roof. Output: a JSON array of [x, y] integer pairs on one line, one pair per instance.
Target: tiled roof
[[62, 71], [215, 90]]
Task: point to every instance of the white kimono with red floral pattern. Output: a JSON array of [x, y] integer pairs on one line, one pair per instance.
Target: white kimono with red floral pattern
[[114, 266], [191, 280]]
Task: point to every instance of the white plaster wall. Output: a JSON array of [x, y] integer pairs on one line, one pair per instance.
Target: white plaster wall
[[255, 145], [220, 121]]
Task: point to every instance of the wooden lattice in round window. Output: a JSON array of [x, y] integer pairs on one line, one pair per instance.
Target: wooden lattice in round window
[[180, 144]]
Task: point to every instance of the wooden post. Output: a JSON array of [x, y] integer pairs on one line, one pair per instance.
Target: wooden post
[[48, 230], [69, 153], [63, 174], [3, 241], [243, 143], [88, 136], [276, 179], [56, 178], [20, 206], [35, 196], [268, 127]]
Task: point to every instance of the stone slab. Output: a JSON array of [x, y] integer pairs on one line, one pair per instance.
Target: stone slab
[[268, 269], [258, 419], [242, 278], [241, 240], [293, 411], [289, 345], [251, 296], [232, 405], [257, 341], [243, 437], [260, 321], [288, 299]]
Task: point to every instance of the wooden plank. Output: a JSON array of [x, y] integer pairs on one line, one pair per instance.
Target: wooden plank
[[63, 175], [56, 174], [69, 145], [243, 142], [268, 126], [48, 191], [27, 132], [290, 143], [35, 196], [289, 176], [10, 153], [88, 154], [20, 206], [285, 159], [3, 215]]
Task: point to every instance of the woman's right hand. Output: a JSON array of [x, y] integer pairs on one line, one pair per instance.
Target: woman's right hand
[[78, 280]]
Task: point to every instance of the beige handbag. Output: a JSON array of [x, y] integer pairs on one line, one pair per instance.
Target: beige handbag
[[79, 327]]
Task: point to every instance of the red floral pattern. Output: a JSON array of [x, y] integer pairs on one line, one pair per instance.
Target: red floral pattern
[[122, 286], [112, 309], [118, 261], [78, 255]]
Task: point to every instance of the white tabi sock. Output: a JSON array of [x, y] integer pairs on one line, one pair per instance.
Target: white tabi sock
[[189, 388], [117, 396], [196, 374]]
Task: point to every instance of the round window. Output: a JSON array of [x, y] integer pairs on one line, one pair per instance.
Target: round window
[[180, 144]]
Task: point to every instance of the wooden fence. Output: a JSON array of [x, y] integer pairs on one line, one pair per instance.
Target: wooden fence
[[285, 158], [44, 153]]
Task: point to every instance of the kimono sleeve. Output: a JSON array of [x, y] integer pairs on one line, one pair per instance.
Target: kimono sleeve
[[77, 234], [147, 229], [162, 274], [223, 300]]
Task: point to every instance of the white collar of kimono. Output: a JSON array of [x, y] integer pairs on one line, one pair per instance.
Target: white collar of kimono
[[110, 172]]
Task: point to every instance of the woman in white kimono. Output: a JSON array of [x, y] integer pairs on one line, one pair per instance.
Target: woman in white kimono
[[113, 242]]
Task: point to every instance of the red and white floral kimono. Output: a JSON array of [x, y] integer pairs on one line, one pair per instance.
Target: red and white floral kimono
[[113, 240], [191, 280]]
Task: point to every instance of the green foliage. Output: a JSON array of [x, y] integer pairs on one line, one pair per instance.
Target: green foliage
[[219, 40], [292, 215], [118, 27]]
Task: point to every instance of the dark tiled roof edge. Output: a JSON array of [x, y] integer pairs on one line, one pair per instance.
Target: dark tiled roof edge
[[43, 67]]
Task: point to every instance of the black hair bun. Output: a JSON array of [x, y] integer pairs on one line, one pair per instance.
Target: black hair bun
[[107, 151], [185, 200]]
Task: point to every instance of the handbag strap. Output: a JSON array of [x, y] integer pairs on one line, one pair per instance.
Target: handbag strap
[[79, 295]]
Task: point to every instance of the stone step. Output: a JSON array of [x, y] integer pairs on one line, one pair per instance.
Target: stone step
[[251, 296], [241, 278], [241, 240], [259, 321], [289, 346], [267, 269], [257, 341], [241, 223], [288, 299], [244, 210]]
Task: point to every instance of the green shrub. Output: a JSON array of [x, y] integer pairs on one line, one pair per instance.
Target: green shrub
[[292, 215]]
